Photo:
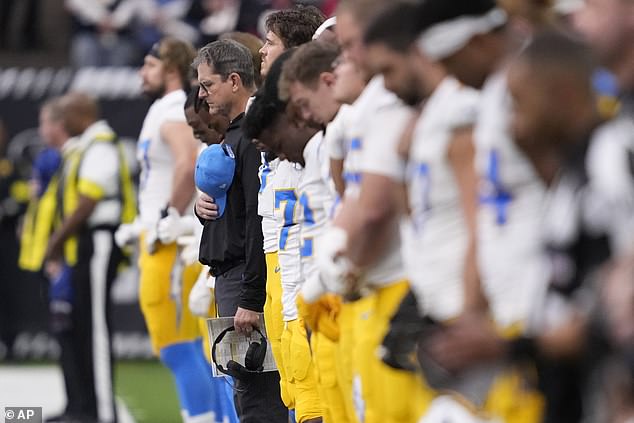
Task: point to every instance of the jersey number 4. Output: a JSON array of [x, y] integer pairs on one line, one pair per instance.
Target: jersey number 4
[[494, 193]]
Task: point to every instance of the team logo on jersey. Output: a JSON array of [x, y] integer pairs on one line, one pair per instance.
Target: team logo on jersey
[[228, 150]]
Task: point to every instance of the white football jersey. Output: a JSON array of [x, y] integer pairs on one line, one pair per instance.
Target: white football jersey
[[376, 123], [316, 201], [155, 156], [435, 244], [266, 203], [336, 136], [287, 215], [510, 258]]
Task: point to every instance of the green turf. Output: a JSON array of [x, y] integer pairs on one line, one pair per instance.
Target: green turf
[[148, 390]]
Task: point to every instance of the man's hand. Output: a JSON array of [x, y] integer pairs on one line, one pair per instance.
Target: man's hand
[[336, 272], [245, 320], [173, 226], [206, 208], [321, 316], [469, 341], [53, 268], [128, 233], [201, 297], [54, 249]]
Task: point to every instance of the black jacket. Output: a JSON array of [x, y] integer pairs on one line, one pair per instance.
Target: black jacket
[[236, 237]]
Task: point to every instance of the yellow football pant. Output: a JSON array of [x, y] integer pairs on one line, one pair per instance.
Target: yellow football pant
[[168, 320], [383, 394], [275, 324], [300, 371], [344, 353], [325, 357], [512, 400], [512, 396]]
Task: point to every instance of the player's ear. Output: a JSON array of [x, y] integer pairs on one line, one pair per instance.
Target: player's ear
[[236, 82], [327, 78]]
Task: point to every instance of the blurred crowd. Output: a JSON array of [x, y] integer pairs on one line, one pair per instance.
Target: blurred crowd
[[119, 32]]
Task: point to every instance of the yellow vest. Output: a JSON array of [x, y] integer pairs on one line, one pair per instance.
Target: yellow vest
[[61, 200], [37, 227]]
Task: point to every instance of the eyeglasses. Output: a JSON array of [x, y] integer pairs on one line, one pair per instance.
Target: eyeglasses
[[202, 86]]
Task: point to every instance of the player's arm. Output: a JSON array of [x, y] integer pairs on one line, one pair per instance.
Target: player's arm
[[336, 172], [371, 220], [334, 143], [253, 290], [70, 226], [368, 220], [476, 340], [461, 156], [403, 149], [183, 146]]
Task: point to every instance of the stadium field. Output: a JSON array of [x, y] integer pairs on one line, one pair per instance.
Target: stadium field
[[145, 391]]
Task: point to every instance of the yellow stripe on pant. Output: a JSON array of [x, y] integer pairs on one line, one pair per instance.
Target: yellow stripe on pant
[[167, 322], [383, 394], [275, 323], [300, 371]]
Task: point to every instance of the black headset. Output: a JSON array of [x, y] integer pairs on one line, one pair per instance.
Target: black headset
[[253, 359]]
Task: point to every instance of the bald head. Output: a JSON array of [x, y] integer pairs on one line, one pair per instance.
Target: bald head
[[79, 111]]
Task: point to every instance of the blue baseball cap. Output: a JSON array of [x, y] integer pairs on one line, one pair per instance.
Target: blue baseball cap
[[214, 173]]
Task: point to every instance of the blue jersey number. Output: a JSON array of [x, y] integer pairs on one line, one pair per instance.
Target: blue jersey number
[[287, 199], [495, 195], [306, 249]]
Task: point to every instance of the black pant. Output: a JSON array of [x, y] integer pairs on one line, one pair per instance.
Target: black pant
[[258, 398], [86, 349], [12, 291]]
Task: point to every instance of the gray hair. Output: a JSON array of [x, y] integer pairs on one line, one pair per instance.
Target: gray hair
[[227, 57]]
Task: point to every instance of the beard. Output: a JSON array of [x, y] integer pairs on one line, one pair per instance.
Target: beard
[[220, 110], [154, 93]]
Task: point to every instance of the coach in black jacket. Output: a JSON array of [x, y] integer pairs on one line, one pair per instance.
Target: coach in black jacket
[[232, 242]]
